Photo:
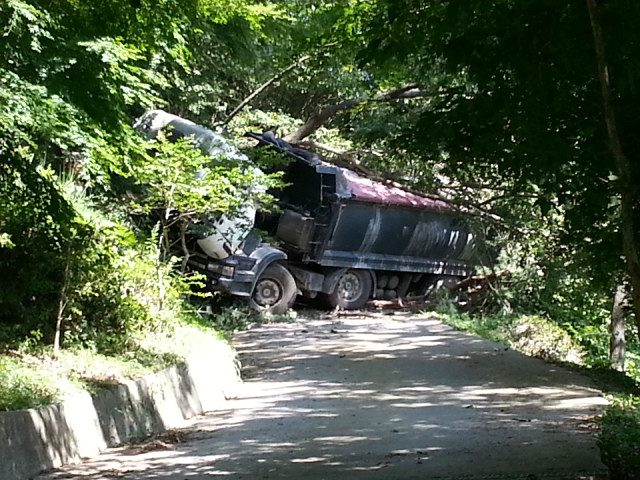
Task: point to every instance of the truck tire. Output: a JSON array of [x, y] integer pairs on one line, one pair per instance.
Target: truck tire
[[352, 291], [275, 290]]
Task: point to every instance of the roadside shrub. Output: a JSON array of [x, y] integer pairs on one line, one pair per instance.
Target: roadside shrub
[[493, 327], [229, 316], [543, 338], [620, 438], [118, 300], [530, 334], [22, 387]]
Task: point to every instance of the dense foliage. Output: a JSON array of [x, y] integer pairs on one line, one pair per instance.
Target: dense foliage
[[77, 250], [525, 119]]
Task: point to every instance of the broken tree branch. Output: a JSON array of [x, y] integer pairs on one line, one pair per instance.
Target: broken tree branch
[[324, 114], [476, 280], [480, 186], [347, 160], [262, 88]]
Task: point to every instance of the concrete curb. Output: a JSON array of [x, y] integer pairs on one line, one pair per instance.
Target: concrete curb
[[36, 440]]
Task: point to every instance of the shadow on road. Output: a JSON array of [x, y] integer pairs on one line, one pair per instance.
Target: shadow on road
[[399, 397]]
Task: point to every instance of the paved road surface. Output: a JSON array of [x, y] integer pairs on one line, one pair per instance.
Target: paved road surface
[[388, 397]]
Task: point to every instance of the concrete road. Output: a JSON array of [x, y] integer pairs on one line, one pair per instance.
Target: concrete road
[[382, 397]]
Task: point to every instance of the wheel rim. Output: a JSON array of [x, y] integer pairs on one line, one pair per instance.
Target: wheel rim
[[267, 292], [349, 286]]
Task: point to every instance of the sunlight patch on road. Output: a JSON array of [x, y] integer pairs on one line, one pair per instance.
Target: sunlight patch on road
[[578, 402], [308, 460], [414, 405], [341, 439]]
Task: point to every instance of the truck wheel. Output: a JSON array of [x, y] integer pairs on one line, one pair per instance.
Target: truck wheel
[[352, 290], [274, 291]]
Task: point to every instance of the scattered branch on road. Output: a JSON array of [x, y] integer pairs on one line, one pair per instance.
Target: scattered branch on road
[[412, 303], [475, 283], [354, 313]]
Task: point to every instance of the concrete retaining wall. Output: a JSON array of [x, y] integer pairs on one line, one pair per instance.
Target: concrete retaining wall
[[35, 440]]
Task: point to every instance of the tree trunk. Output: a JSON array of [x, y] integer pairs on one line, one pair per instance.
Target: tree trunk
[[183, 243], [617, 346], [623, 166], [62, 305]]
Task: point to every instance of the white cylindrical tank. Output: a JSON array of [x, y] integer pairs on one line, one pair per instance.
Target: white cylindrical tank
[[225, 233]]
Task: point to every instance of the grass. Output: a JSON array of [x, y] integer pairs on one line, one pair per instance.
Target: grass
[[530, 334], [235, 316], [37, 376], [491, 327], [23, 386], [620, 438], [34, 376]]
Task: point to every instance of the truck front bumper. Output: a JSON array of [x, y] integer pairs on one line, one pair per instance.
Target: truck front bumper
[[231, 275]]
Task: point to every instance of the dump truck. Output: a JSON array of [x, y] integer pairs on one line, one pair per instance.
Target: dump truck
[[336, 235]]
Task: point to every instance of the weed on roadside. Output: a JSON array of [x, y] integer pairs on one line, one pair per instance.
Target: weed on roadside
[[37, 376], [23, 387], [620, 438]]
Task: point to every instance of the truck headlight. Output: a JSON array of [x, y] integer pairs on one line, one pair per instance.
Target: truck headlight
[[220, 269], [228, 271]]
